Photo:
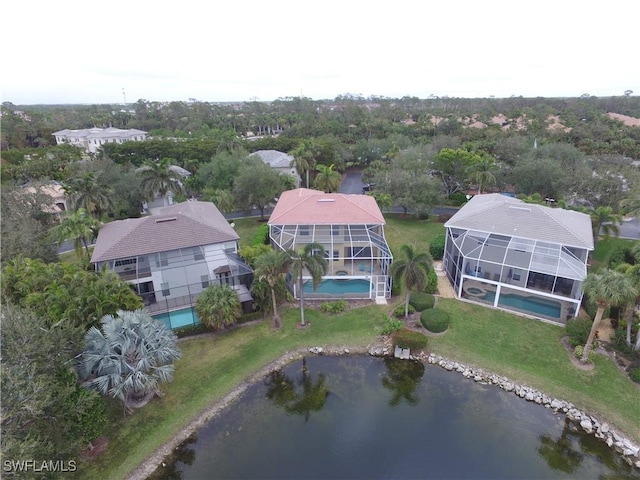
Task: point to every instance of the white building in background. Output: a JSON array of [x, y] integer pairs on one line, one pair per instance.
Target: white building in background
[[279, 161], [91, 139]]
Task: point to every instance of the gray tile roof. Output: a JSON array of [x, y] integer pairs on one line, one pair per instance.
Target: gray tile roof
[[496, 213], [183, 225], [274, 158]]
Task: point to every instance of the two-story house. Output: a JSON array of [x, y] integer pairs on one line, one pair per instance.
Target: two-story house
[[172, 255], [522, 257], [351, 230], [91, 139]]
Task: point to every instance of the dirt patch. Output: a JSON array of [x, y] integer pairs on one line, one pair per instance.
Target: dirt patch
[[98, 446]]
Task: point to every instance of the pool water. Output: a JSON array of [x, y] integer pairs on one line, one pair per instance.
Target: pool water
[[537, 306], [338, 287], [179, 318]]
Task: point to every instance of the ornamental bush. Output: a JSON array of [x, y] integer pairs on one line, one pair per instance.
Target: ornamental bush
[[399, 311], [405, 338], [578, 330], [634, 372], [435, 320], [436, 247], [421, 301], [391, 325], [337, 306], [432, 283]]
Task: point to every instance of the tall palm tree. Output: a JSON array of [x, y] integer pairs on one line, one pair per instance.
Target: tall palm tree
[[218, 306], [310, 258], [79, 226], [633, 273], [129, 356], [88, 193], [607, 288], [271, 267], [481, 171], [631, 205], [304, 158], [604, 220], [327, 179], [223, 199], [411, 271], [159, 178]]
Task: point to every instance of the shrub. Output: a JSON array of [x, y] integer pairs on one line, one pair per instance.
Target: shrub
[[421, 301], [579, 350], [399, 311], [457, 199], [444, 217], [261, 237], [435, 320], [391, 325], [578, 330], [634, 372], [337, 306], [432, 283], [406, 338], [436, 247]]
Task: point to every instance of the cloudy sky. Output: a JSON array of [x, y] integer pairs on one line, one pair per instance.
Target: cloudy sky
[[69, 51]]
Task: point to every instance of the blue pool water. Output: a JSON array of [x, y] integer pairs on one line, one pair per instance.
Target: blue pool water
[[179, 318], [534, 305], [338, 287]]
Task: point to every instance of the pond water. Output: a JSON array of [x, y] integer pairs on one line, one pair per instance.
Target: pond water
[[355, 417]]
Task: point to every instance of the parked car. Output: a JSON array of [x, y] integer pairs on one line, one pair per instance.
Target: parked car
[[368, 187]]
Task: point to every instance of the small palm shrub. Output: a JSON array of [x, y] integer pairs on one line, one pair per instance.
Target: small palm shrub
[[432, 283], [399, 311], [578, 330], [579, 350], [410, 339], [634, 372], [337, 306], [435, 320], [421, 301], [391, 325]]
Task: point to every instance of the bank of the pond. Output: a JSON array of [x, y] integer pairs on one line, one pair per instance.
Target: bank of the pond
[[589, 423]]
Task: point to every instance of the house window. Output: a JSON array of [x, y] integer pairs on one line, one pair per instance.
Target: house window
[[205, 280], [516, 274], [161, 259], [197, 254], [335, 230], [336, 255], [165, 289], [128, 261], [304, 230], [224, 278]]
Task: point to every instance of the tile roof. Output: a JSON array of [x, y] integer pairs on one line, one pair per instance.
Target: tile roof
[[304, 206], [100, 132], [496, 213], [274, 158], [182, 225]]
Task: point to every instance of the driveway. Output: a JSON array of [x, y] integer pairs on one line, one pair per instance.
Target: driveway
[[351, 182]]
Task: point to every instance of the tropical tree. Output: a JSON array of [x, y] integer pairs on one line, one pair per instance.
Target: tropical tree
[[411, 272], [88, 193], [481, 171], [607, 288], [159, 178], [631, 205], [604, 220], [633, 273], [327, 179], [271, 268], [304, 157], [218, 306], [257, 186], [129, 357], [223, 199], [80, 227], [310, 258]]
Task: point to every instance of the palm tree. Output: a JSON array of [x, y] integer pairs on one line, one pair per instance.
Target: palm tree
[[87, 193], [327, 180], [633, 273], [482, 171], [604, 220], [310, 258], [129, 357], [304, 158], [159, 178], [218, 306], [271, 267], [411, 271], [80, 227], [631, 205], [607, 288], [223, 199]]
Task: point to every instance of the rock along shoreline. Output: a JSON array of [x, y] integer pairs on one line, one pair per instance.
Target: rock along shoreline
[[627, 449]]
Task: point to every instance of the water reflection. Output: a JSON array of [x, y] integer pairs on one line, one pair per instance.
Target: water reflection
[[560, 453], [402, 379], [299, 396]]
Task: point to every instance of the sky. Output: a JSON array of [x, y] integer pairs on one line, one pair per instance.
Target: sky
[[71, 51]]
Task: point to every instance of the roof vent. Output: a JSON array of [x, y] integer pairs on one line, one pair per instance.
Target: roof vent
[[326, 200], [520, 208], [165, 220]]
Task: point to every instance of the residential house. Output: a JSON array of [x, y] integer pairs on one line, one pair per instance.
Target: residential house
[[53, 189], [351, 230], [522, 257], [171, 256], [167, 199], [280, 162], [91, 139]]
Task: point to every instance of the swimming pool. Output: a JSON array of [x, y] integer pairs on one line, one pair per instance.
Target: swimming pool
[[535, 305], [179, 318], [339, 287]]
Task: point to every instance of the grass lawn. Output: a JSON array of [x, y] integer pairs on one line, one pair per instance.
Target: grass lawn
[[605, 247]]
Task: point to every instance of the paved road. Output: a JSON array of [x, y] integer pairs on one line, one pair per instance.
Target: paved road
[[630, 229]]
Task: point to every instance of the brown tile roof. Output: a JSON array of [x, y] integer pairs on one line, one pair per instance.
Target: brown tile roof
[[183, 225], [303, 206]]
